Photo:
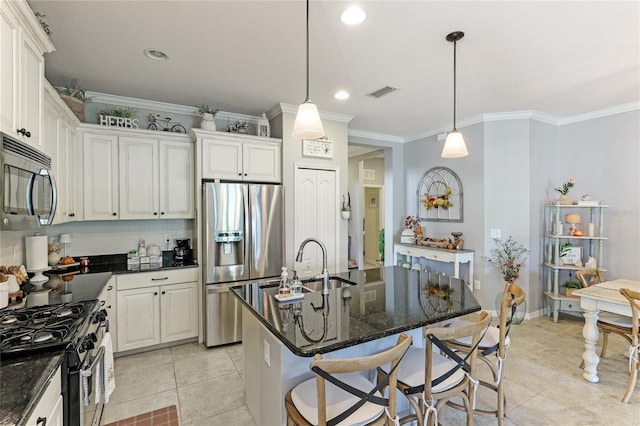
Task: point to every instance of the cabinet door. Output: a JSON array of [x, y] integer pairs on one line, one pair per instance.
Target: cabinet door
[[100, 176], [138, 318], [176, 180], [261, 162], [221, 159], [31, 93], [9, 46], [138, 178], [71, 185], [51, 135], [178, 311]]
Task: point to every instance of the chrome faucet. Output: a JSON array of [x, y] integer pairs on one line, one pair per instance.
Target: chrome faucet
[[325, 271]]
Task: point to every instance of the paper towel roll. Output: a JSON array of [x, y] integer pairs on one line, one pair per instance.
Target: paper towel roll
[[37, 252]]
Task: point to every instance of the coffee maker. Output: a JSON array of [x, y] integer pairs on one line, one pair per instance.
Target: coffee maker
[[182, 253]]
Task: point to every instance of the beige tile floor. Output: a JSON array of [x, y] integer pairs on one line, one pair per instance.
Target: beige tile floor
[[544, 384]]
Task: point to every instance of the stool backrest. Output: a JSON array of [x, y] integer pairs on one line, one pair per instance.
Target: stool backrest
[[634, 301], [352, 365], [512, 295]]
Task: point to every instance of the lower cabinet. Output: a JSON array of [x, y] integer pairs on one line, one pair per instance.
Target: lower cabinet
[[49, 409], [156, 307]]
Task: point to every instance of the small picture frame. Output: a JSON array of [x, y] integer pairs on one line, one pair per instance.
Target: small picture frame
[[572, 256], [317, 148]]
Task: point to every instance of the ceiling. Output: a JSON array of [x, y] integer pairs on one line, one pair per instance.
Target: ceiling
[[560, 58]]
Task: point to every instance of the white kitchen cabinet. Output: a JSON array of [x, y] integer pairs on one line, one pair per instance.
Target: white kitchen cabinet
[[100, 176], [156, 307], [156, 178], [240, 157], [22, 46], [59, 135], [48, 410]]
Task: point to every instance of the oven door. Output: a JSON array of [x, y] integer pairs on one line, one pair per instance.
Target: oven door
[[91, 388]]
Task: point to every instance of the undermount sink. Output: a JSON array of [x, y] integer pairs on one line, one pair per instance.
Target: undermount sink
[[334, 282]]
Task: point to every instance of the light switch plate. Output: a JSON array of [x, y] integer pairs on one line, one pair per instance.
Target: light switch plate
[[496, 233]]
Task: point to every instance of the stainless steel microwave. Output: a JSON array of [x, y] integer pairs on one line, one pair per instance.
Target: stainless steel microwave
[[28, 187]]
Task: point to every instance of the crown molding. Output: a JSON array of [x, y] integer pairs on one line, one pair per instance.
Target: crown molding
[[618, 109], [375, 136], [325, 115]]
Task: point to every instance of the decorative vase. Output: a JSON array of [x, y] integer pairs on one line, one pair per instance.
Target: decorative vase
[[564, 200], [53, 258], [521, 310], [208, 122], [346, 214]]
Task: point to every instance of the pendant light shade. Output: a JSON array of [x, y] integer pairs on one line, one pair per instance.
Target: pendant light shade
[[307, 124], [454, 146]]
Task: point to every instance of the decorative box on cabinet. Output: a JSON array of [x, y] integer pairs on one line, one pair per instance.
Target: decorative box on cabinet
[[156, 307], [553, 241], [239, 157], [23, 44]]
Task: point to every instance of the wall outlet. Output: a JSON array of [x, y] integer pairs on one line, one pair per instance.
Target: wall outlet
[[496, 233], [267, 353], [476, 284]]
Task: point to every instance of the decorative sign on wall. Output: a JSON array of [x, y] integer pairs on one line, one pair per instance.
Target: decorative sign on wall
[[317, 148], [108, 120], [440, 196]]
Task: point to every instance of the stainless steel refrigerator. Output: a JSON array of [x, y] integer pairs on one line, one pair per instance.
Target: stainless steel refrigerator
[[243, 240]]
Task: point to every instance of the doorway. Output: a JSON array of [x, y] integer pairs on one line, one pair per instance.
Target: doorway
[[372, 225]]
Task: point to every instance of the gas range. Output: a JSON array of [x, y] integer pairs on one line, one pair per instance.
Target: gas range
[[43, 328]]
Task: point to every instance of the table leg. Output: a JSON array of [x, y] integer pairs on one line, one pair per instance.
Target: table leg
[[590, 355], [456, 269]]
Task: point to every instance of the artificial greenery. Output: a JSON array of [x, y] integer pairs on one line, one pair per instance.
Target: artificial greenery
[[565, 249], [346, 205], [572, 284], [73, 90], [119, 112], [206, 109], [43, 24], [508, 256], [237, 126]]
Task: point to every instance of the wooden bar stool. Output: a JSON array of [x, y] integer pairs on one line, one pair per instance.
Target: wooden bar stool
[[349, 398]]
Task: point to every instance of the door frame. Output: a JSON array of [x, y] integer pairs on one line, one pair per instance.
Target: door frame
[[380, 215]]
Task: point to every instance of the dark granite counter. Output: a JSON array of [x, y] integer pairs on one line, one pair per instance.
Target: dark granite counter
[[24, 379], [383, 302]]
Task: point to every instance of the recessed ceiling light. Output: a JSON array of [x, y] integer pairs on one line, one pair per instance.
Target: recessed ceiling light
[[353, 15], [341, 94], [156, 54]]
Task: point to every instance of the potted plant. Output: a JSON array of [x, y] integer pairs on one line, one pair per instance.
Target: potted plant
[[346, 208], [119, 112], [75, 97], [208, 117], [238, 126], [570, 286]]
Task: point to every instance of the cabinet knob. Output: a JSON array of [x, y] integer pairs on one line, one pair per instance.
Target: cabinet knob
[[245, 174], [72, 214], [163, 292], [114, 214], [155, 293], [41, 421], [161, 213], [110, 288], [239, 174], [155, 213]]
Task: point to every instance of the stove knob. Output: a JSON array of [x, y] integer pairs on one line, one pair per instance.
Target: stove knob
[[93, 337], [88, 344]]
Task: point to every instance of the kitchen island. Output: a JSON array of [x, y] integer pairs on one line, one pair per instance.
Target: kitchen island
[[363, 315]]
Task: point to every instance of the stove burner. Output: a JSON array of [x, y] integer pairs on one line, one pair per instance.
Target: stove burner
[[45, 336], [9, 319], [65, 313]]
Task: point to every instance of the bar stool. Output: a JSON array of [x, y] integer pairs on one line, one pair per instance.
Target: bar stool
[[493, 349], [429, 379], [349, 398]]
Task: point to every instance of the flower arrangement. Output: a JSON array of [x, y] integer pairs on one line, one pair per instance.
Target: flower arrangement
[[564, 189], [53, 248], [508, 256], [439, 201]]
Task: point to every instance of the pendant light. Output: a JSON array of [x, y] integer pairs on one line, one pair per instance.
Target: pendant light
[[307, 124], [454, 147]]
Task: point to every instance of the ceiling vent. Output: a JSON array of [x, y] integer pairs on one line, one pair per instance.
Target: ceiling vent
[[381, 92]]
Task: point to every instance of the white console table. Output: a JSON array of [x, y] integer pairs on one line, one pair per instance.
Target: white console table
[[438, 255]]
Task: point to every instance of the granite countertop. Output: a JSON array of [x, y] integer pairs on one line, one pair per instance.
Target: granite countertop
[[24, 379], [382, 302]]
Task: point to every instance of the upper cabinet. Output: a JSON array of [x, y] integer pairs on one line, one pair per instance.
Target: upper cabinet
[[239, 157], [136, 175], [22, 46]]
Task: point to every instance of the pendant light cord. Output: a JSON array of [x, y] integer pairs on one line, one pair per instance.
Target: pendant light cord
[[454, 85], [307, 97]]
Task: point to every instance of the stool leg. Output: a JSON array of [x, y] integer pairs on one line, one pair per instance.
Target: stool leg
[[605, 340], [632, 382]]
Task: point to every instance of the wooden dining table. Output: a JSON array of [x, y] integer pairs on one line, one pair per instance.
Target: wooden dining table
[[600, 297]]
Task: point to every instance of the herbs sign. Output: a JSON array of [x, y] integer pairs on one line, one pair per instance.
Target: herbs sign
[[108, 120]]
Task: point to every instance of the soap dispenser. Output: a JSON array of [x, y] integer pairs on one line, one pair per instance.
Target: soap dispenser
[[284, 289]]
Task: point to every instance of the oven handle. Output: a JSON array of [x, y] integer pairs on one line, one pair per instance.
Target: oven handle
[[86, 372]]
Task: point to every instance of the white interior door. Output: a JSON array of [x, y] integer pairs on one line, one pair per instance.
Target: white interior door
[[316, 216]]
